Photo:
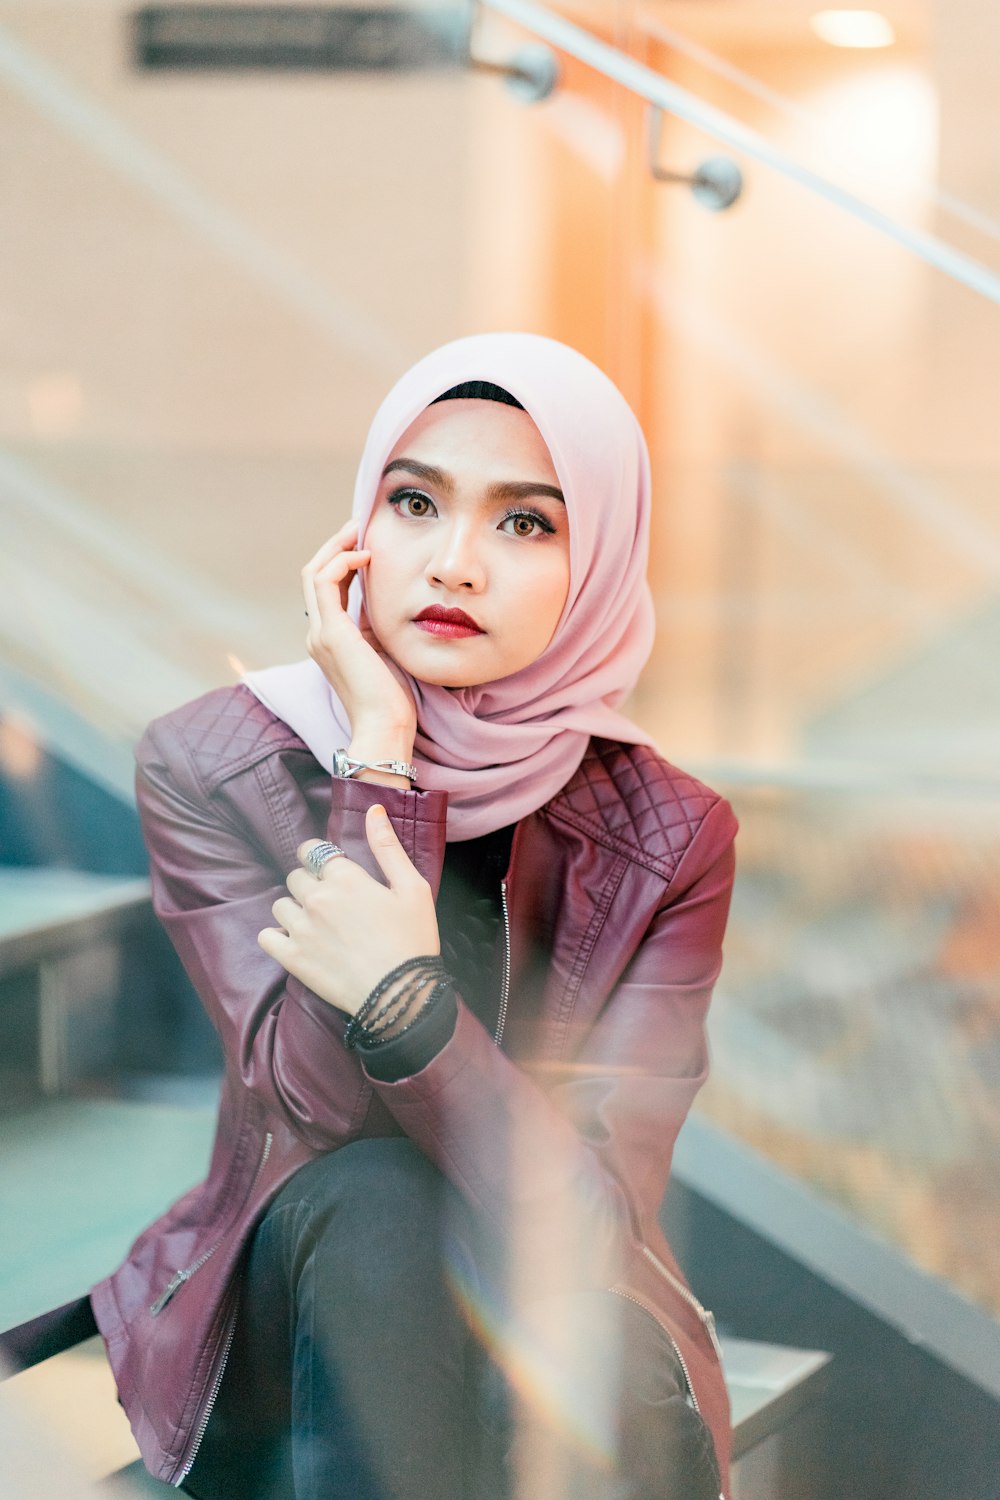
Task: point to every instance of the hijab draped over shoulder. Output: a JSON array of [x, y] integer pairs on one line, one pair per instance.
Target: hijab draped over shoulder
[[502, 749]]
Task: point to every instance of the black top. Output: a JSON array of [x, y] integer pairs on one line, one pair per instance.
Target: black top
[[470, 915]]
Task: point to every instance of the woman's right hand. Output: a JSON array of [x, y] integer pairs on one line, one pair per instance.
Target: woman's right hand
[[376, 698]]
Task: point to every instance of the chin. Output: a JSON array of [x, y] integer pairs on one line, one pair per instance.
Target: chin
[[433, 667], [455, 679]]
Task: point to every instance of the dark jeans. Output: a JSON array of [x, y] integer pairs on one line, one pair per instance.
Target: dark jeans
[[373, 1361]]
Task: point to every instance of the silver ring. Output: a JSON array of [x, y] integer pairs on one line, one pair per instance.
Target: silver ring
[[321, 854]]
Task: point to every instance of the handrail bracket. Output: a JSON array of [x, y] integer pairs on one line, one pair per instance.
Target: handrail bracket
[[717, 183]]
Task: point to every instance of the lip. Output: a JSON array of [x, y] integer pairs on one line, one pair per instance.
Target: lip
[[449, 624]]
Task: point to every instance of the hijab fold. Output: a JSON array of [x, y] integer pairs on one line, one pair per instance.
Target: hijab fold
[[502, 749]]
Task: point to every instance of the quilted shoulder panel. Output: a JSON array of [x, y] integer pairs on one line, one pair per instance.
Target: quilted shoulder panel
[[632, 800], [226, 731]]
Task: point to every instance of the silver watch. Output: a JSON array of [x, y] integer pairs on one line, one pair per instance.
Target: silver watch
[[343, 765]]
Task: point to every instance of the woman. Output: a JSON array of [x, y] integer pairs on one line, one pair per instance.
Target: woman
[[427, 1262]]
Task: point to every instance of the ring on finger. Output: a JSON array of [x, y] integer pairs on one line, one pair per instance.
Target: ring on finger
[[321, 854]]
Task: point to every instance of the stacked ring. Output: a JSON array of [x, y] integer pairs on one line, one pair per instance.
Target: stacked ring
[[321, 854]]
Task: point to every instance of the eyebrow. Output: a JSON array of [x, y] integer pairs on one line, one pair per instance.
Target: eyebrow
[[502, 489]]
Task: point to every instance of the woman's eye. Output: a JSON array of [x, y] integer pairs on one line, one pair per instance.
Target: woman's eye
[[525, 523], [412, 503]]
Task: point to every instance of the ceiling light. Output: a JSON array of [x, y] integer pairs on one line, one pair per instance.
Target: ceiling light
[[853, 28]]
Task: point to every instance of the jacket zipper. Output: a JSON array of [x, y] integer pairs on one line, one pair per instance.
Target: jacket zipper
[[706, 1318], [673, 1344], [230, 1330], [213, 1395], [505, 983], [179, 1277]]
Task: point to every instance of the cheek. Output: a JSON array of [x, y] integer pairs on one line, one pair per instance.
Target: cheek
[[553, 588], [541, 594]]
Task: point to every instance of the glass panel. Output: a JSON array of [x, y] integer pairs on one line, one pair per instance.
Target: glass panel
[[211, 280], [856, 1030], [820, 406], [827, 570]]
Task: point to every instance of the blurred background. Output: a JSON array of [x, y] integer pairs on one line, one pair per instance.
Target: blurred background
[[222, 239]]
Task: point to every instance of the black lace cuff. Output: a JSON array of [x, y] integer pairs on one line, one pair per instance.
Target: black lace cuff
[[412, 1050]]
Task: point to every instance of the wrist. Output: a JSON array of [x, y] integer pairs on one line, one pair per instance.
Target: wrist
[[397, 1001], [381, 747], [393, 735]]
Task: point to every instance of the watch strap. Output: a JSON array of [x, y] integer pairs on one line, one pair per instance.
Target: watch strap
[[344, 766]]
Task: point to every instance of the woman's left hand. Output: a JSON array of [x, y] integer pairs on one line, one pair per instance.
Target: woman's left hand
[[341, 933]]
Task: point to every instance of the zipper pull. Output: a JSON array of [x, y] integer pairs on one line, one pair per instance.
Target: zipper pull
[[709, 1321], [177, 1280]]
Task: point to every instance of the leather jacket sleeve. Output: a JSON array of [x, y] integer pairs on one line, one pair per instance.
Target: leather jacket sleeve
[[213, 889], [571, 1163]]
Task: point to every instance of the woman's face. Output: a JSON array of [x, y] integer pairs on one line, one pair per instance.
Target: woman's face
[[469, 544]]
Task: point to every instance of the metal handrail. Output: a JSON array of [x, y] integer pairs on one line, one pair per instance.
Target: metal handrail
[[722, 68], [649, 85], [888, 782]]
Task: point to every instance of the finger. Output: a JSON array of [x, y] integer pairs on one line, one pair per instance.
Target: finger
[[335, 569], [308, 877], [347, 533], [275, 942], [309, 595], [333, 581], [285, 912], [302, 884], [335, 545], [393, 860], [326, 590], [341, 563]]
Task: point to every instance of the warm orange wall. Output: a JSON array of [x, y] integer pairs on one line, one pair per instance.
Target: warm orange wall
[[819, 407], [810, 486]]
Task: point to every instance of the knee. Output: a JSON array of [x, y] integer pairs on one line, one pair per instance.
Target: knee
[[368, 1213], [375, 1182]]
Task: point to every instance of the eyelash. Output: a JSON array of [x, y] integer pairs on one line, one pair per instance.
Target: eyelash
[[530, 515], [514, 513]]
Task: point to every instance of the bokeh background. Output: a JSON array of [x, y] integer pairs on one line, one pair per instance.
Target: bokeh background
[[209, 279]]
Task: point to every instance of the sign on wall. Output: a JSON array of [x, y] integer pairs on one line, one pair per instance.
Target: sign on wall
[[300, 37]]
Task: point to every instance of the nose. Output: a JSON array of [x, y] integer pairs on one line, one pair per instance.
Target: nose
[[456, 563]]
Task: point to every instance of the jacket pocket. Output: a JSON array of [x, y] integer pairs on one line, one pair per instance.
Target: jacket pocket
[[183, 1275]]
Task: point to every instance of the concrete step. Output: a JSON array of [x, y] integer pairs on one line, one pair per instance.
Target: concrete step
[[81, 1177], [74, 1395], [64, 936]]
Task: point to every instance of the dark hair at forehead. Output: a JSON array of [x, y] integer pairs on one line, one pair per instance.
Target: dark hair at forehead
[[478, 390]]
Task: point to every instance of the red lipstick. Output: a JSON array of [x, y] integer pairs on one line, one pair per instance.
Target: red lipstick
[[448, 624]]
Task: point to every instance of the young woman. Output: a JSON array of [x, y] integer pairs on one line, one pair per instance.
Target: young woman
[[457, 924]]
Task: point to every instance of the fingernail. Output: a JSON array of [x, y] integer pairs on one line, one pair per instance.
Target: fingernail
[[379, 810]]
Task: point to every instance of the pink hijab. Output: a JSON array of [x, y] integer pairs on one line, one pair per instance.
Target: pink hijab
[[504, 748]]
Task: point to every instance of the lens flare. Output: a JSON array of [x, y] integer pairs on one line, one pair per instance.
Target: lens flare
[[541, 1384]]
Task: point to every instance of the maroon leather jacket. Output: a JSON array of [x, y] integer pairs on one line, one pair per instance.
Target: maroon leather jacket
[[614, 904]]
